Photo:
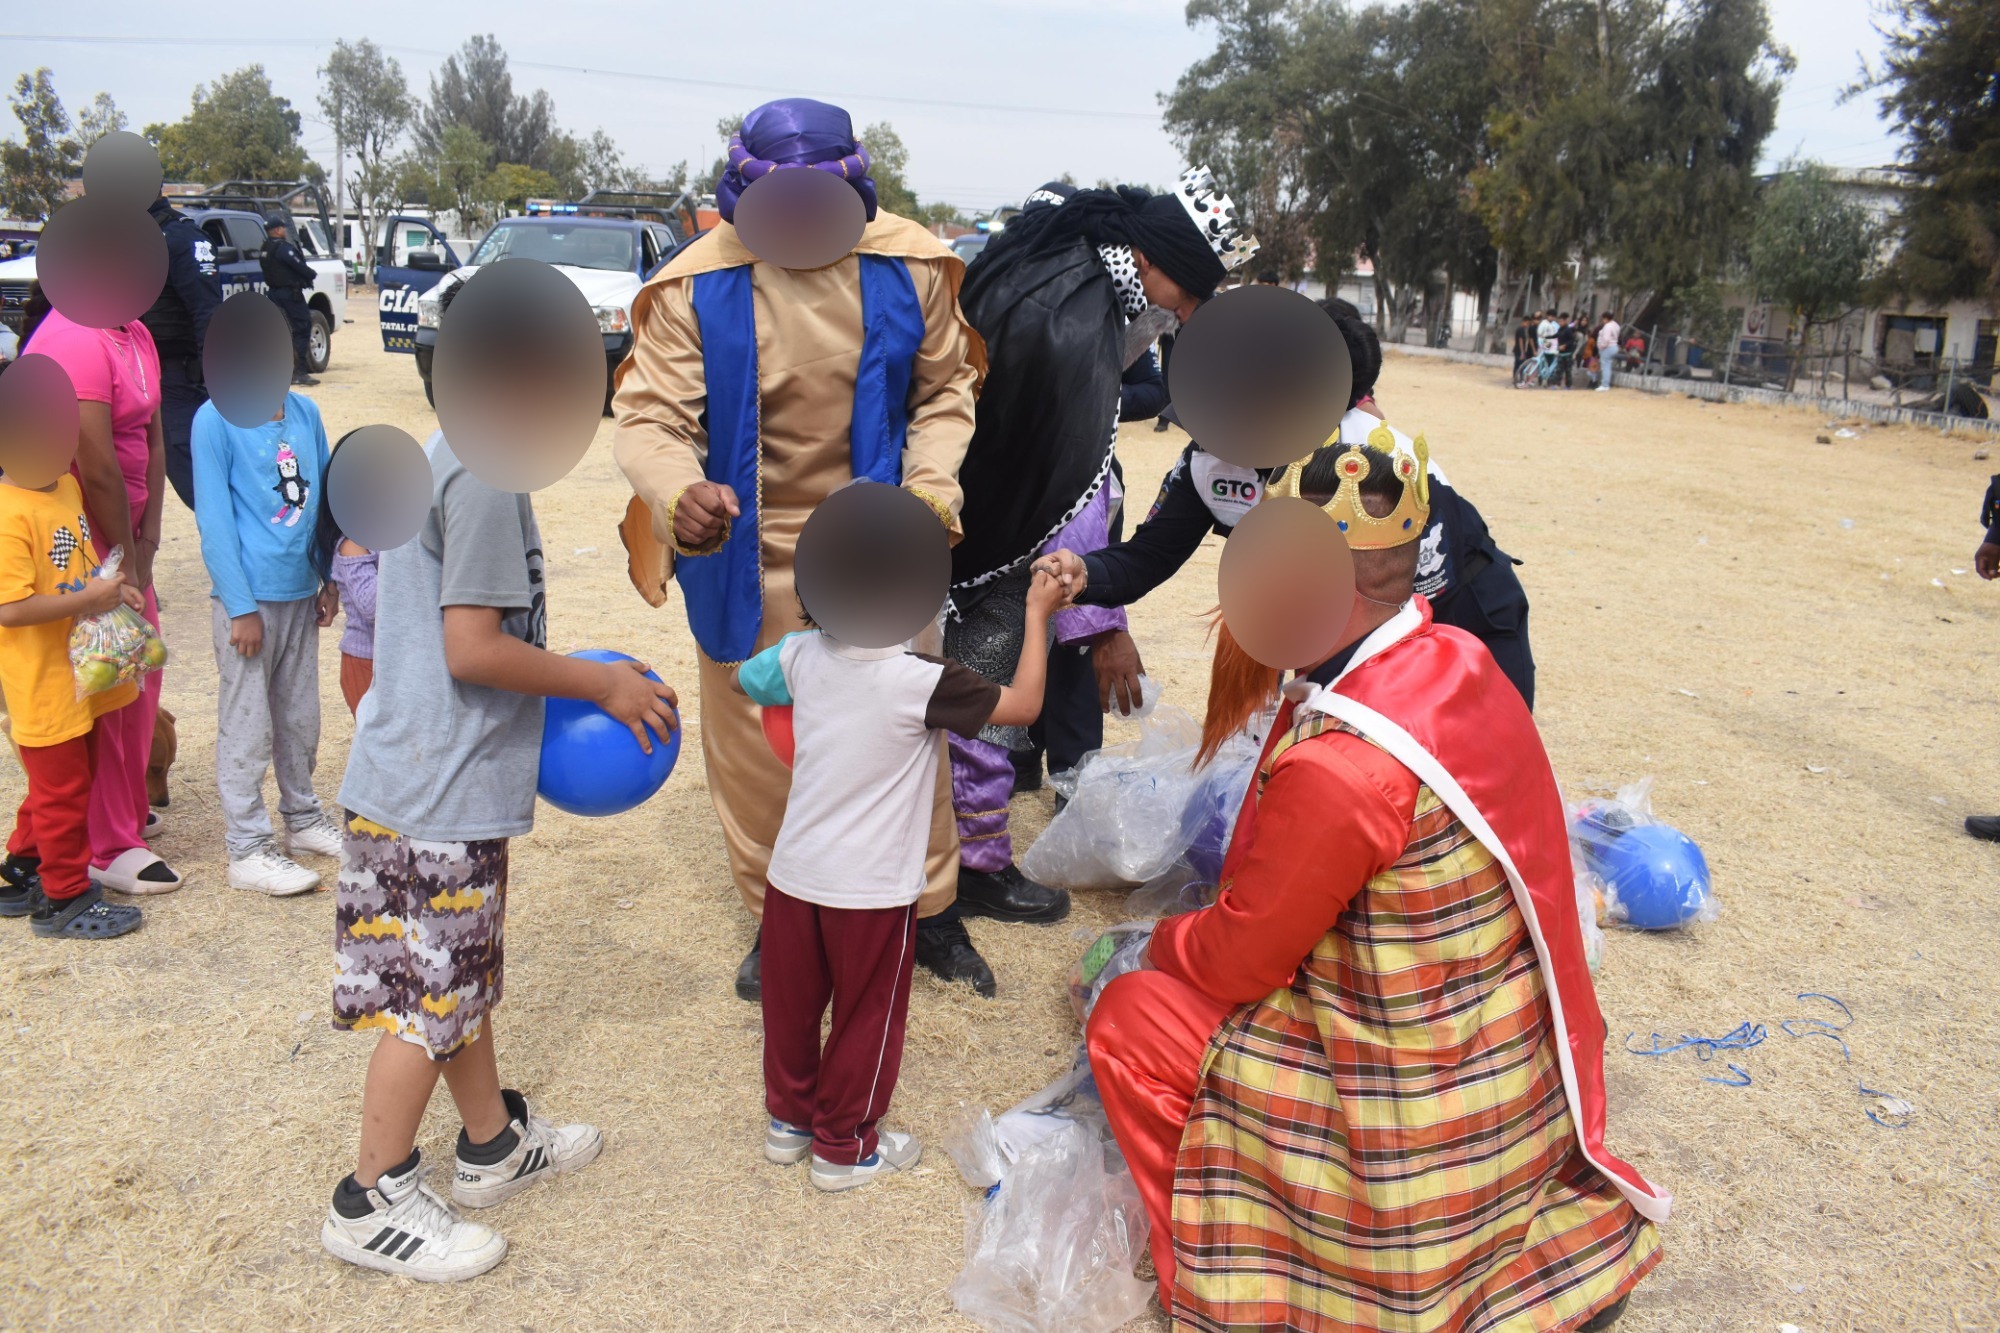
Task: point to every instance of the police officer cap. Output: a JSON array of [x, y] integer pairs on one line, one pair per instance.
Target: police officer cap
[[273, 224]]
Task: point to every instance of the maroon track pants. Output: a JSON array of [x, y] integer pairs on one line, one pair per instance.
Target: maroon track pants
[[54, 820], [860, 960]]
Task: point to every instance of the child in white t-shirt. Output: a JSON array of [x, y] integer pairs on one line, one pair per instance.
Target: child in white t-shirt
[[840, 913]]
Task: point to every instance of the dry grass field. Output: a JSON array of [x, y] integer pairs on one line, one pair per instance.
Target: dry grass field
[[1786, 634]]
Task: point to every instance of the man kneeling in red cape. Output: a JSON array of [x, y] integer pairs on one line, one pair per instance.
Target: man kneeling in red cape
[[1365, 1089]]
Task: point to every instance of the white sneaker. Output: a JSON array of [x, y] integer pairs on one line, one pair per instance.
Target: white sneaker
[[268, 870], [786, 1144], [412, 1233], [893, 1152], [541, 1150], [322, 837], [1604, 388]]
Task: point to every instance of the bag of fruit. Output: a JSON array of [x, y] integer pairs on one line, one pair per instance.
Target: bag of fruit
[[109, 649]]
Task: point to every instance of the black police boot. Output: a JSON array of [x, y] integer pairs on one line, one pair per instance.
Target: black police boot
[[1008, 895], [1983, 826], [1027, 770], [750, 976], [946, 951], [305, 379]]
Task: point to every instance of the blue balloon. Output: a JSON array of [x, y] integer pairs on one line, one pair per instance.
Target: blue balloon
[[1657, 873], [591, 763]]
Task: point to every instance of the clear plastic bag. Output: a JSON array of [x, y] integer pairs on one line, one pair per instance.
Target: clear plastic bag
[[1177, 889], [108, 649], [1637, 870], [1134, 808], [1052, 1246], [1113, 954]]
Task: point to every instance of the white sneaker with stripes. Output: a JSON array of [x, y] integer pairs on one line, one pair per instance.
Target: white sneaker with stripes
[[412, 1233], [541, 1150]]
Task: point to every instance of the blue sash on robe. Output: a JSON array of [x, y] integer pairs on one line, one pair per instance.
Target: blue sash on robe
[[725, 588]]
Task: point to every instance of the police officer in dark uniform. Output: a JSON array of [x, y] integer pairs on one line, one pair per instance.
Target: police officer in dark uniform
[[287, 278], [1469, 580], [178, 322]]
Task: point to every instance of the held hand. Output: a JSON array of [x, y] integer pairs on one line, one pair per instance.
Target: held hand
[[704, 509], [1116, 658], [639, 703], [1045, 593], [1987, 560], [328, 605], [131, 596], [246, 634], [1069, 567], [139, 565], [100, 595]]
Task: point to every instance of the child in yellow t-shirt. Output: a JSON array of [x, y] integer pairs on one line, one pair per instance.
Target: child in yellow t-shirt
[[45, 584]]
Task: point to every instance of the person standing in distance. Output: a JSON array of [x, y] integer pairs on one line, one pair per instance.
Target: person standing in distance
[[287, 277], [178, 322]]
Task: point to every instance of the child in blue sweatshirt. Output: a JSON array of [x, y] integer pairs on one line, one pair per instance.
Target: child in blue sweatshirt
[[257, 499]]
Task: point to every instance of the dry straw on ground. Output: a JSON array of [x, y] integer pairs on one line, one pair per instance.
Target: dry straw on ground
[[1814, 698]]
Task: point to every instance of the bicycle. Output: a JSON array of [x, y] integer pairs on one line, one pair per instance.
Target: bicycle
[[1535, 372]]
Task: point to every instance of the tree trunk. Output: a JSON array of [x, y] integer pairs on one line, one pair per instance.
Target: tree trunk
[[1385, 311], [1604, 37]]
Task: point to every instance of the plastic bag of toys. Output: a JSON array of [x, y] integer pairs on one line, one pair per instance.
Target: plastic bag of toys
[[1052, 1246], [1113, 954], [1646, 874], [115, 646]]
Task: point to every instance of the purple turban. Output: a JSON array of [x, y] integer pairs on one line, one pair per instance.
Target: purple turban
[[794, 132]]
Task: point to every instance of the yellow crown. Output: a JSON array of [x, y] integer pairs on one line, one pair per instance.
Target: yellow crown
[[1364, 531]]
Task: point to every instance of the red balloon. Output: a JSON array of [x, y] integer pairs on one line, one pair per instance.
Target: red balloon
[[778, 731]]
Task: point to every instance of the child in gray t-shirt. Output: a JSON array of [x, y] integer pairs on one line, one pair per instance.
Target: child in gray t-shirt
[[442, 773]]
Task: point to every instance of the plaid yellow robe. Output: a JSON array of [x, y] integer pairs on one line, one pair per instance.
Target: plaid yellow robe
[[1384, 1143]]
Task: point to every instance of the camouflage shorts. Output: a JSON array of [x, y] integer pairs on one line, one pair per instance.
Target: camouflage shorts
[[417, 936]]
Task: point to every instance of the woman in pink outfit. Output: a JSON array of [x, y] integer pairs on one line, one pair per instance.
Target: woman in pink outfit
[[121, 464]]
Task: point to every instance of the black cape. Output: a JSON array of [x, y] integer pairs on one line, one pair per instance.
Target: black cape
[[1048, 416]]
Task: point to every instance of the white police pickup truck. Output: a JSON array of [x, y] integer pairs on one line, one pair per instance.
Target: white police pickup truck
[[608, 249]]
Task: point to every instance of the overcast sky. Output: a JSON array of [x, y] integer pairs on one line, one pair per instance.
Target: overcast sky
[[992, 97]]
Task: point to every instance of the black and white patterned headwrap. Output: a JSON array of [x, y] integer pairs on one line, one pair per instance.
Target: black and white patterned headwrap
[[1118, 262]]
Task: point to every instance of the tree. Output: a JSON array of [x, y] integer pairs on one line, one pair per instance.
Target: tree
[[889, 159], [100, 118], [474, 89], [510, 185], [459, 170], [35, 173], [367, 101], [1941, 82], [1810, 249], [237, 129]]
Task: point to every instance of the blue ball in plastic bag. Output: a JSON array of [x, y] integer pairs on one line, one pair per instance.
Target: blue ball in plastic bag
[[591, 762], [1657, 873]]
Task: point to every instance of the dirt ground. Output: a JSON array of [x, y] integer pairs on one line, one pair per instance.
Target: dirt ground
[[1786, 634]]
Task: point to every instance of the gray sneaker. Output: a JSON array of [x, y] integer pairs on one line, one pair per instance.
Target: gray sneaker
[[786, 1144], [893, 1152]]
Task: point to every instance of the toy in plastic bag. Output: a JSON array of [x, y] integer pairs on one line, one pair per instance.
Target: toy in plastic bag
[[1210, 819], [115, 646], [1175, 890], [1052, 1246], [1113, 954], [1651, 875], [1133, 808]]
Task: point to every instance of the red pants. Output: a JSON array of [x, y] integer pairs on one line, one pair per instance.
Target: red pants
[[859, 959], [1147, 1037], [54, 823]]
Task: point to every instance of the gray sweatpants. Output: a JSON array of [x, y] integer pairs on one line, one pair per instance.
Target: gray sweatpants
[[267, 716]]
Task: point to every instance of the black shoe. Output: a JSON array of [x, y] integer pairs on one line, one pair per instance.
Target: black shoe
[[1983, 826], [946, 951], [1160, 426], [20, 887], [1027, 770], [1008, 895], [306, 381], [750, 976]]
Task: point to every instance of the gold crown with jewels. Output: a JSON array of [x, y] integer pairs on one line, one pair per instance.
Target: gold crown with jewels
[[1364, 531]]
